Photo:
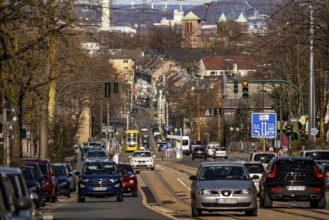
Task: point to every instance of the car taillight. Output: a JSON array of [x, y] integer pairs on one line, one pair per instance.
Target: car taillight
[[315, 189], [273, 189], [272, 173], [319, 174]]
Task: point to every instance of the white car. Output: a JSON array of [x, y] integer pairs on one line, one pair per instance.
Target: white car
[[142, 159], [255, 170]]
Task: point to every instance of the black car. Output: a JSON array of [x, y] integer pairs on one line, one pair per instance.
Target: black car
[[199, 152], [32, 183], [39, 179], [293, 179], [63, 180]]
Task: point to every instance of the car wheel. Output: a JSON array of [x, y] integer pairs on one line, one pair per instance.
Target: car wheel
[[196, 212], [152, 168], [135, 193], [120, 198], [320, 204], [252, 212], [267, 202], [81, 199]]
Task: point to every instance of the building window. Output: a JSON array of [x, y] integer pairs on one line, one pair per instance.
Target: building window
[[125, 61], [125, 68]]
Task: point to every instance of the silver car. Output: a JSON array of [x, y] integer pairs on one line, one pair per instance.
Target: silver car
[[96, 156], [223, 186], [256, 171]]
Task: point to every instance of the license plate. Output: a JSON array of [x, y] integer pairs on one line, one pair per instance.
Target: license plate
[[296, 188], [99, 188], [227, 201]]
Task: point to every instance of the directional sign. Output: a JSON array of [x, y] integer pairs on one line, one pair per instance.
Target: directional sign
[[263, 125]]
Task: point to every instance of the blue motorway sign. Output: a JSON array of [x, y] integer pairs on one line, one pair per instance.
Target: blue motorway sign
[[263, 125]]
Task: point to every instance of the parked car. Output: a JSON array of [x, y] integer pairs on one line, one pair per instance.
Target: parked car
[[32, 183], [72, 176], [100, 179], [40, 180], [293, 179], [255, 170], [49, 178], [96, 155], [262, 156], [223, 186], [129, 179], [199, 152], [325, 169], [64, 181], [142, 159], [20, 191]]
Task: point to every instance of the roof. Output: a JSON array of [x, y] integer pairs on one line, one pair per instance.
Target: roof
[[222, 163], [191, 16], [222, 18], [221, 62], [293, 158], [10, 170], [241, 19]]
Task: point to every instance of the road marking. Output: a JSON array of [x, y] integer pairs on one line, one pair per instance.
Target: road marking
[[48, 217], [184, 184], [160, 167]]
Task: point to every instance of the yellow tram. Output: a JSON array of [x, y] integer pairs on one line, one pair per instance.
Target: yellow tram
[[132, 140]]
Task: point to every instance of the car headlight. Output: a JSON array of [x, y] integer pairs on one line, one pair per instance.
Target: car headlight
[[114, 180], [84, 180], [246, 191], [131, 182], [204, 192], [63, 184]]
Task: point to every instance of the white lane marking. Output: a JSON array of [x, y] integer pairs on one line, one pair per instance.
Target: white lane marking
[[160, 167], [184, 184], [48, 217]]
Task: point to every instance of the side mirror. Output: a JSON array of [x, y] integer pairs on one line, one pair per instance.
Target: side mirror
[[23, 203], [77, 173], [255, 177], [193, 177], [34, 197], [137, 172]]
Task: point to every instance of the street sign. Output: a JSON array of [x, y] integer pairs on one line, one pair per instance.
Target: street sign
[[263, 125], [314, 131], [302, 120]]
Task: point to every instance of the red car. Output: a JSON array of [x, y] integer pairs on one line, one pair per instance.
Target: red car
[[49, 178], [129, 179]]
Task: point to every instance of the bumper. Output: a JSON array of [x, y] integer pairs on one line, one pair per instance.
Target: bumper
[[63, 190], [141, 165], [284, 195], [93, 191], [216, 203], [220, 155]]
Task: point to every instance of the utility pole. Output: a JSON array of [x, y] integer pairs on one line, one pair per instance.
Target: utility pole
[[198, 111]]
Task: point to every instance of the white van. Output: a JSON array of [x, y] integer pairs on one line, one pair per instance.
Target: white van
[[185, 142]]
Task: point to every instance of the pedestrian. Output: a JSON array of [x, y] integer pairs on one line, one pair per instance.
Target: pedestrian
[[116, 158]]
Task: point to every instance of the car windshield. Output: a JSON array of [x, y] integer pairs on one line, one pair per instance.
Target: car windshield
[[28, 173], [126, 169], [223, 173], [142, 154], [199, 149], [60, 171], [100, 168], [17, 184], [264, 158], [44, 168], [295, 165], [255, 168], [96, 154], [318, 155]]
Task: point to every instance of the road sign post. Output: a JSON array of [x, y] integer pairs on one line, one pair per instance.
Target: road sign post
[[264, 126]]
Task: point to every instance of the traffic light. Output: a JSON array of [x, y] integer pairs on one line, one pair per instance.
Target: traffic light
[[237, 113], [116, 87], [245, 92], [107, 90], [302, 135], [288, 129], [221, 111], [236, 87]]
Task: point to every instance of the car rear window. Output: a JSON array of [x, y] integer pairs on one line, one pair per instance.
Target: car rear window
[[44, 168], [264, 158], [255, 168], [318, 155], [294, 166]]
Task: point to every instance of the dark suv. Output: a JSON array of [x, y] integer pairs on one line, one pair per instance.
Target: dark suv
[[293, 179]]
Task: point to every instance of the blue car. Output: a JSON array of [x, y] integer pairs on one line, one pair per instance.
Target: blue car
[[101, 179]]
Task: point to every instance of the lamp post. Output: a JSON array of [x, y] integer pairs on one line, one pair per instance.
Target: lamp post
[[311, 88]]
